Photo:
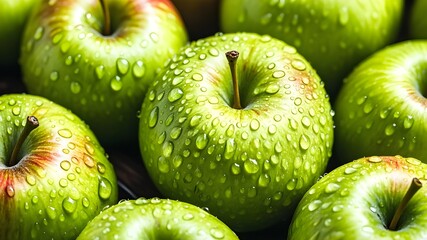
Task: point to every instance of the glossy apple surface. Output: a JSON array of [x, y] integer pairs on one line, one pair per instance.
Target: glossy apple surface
[[249, 165], [60, 178], [381, 107], [68, 56], [333, 35], [156, 218], [359, 199]]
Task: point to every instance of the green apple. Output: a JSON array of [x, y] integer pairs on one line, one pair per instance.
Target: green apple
[[381, 108], [97, 58], [54, 175], [243, 137], [377, 197], [333, 35], [13, 17], [417, 20], [201, 17], [156, 218]]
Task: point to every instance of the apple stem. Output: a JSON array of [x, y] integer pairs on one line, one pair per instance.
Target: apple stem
[[31, 124], [232, 57], [107, 19], [413, 188]]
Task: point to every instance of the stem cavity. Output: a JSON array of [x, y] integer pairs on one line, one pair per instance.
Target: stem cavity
[[413, 188], [232, 57], [31, 124], [107, 17]]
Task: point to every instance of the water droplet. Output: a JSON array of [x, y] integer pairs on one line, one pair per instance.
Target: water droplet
[[100, 71], [10, 190], [101, 168], [63, 182], [122, 66], [65, 165], [75, 87], [35, 199], [408, 122], [272, 88], [235, 168], [343, 16], [195, 120], [31, 180], [230, 147], [374, 159], [85, 202], [175, 132], [69, 205], [138, 69], [413, 161], [167, 149], [298, 64], [187, 216], [154, 115], [104, 188], [197, 77], [88, 160], [349, 170], [201, 141], [65, 133], [154, 37], [214, 52], [175, 94], [16, 110], [314, 205], [389, 130], [51, 212], [251, 166], [304, 142], [279, 74], [254, 125], [163, 165], [54, 76], [331, 188], [216, 233], [116, 83], [291, 184]]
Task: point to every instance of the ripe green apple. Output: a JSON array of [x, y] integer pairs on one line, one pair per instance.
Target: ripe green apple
[[54, 175], [381, 108], [243, 137], [377, 197], [100, 68], [333, 35], [201, 17], [156, 218], [417, 20], [13, 17]]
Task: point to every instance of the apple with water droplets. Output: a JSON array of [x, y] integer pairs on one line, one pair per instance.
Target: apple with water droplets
[[97, 57], [381, 109], [376, 197], [333, 36], [13, 17], [238, 123], [54, 175], [156, 218]]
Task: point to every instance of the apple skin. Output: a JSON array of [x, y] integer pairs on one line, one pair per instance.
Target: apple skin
[[333, 35], [249, 166], [63, 178], [155, 218], [201, 17], [13, 17], [358, 199], [417, 20], [67, 59], [381, 108]]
